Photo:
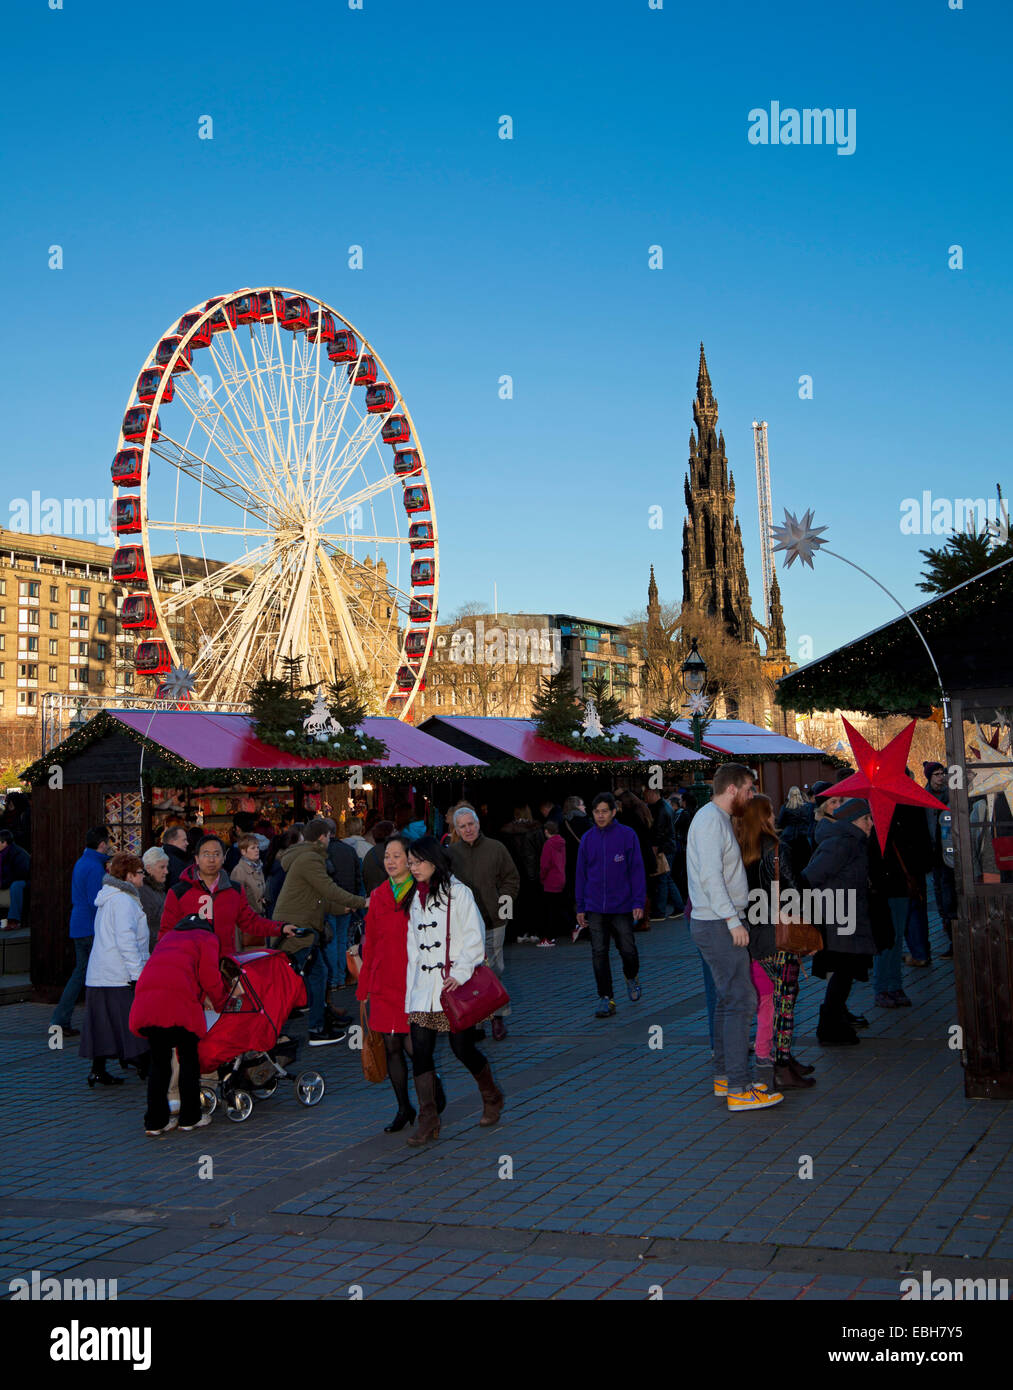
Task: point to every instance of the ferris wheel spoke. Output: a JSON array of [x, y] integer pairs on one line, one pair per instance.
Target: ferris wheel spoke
[[357, 499], [339, 466], [243, 446], [346, 628], [240, 458], [195, 467], [201, 529], [270, 454], [230, 658], [341, 539], [204, 587]]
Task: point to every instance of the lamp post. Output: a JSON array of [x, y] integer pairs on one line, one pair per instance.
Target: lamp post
[[694, 680], [78, 719]]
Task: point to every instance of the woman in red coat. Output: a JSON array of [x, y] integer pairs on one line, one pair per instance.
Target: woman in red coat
[[383, 978], [168, 1010]]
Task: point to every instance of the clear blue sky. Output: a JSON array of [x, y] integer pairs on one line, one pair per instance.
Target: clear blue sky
[[530, 257]]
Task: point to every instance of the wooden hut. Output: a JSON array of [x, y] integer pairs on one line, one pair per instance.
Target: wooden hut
[[126, 768], [888, 672]]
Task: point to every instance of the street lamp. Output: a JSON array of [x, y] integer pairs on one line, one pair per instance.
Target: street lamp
[[694, 679]]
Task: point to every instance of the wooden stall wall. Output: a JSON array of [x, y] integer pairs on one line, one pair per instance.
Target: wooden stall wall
[[60, 820]]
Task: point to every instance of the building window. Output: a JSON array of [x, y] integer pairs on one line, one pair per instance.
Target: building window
[[27, 697], [101, 651], [100, 625], [54, 593], [3, 586], [28, 672], [54, 647], [80, 596], [82, 648], [79, 623], [3, 669], [33, 644], [83, 674], [102, 600], [3, 641], [54, 619], [53, 676], [3, 615]]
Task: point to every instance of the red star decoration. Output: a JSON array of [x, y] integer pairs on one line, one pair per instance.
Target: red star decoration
[[881, 779]]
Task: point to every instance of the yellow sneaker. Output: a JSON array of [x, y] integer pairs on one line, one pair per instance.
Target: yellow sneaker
[[721, 1086], [756, 1098]]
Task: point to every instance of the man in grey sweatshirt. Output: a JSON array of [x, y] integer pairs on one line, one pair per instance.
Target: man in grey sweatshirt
[[719, 893]]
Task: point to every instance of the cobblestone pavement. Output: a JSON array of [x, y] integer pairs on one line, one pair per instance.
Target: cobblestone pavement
[[614, 1173]]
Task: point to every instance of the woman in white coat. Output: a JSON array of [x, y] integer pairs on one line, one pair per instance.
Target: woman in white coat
[[438, 902], [116, 960]]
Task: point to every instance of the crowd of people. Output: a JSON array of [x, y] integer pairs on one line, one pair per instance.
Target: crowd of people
[[148, 930]]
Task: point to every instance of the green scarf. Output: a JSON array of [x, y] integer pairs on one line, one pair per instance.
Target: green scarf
[[400, 890]]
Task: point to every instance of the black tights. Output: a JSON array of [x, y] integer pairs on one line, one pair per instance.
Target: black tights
[[461, 1044], [396, 1045], [838, 988]]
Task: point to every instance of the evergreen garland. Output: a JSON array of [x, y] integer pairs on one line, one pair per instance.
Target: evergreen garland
[[559, 715], [280, 706]]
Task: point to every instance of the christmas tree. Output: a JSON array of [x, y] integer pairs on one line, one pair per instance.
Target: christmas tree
[[610, 711], [556, 708], [276, 707], [346, 701]]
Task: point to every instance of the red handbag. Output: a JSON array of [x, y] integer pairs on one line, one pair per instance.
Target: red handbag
[[474, 1001]]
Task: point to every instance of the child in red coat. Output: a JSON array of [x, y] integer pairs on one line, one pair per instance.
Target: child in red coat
[[168, 1010], [552, 872]]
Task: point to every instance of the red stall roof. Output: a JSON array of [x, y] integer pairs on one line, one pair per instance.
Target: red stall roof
[[736, 737], [516, 738], [206, 739]]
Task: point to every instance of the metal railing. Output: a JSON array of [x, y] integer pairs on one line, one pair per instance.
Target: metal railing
[[62, 714]]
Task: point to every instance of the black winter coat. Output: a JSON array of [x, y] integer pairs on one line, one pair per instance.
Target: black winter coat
[[841, 861], [908, 847], [664, 829], [760, 875], [343, 865]]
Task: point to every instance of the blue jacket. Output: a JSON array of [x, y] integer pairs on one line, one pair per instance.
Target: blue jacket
[[85, 883], [610, 870]]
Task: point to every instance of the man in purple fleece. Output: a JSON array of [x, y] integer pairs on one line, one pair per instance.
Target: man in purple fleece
[[611, 890]]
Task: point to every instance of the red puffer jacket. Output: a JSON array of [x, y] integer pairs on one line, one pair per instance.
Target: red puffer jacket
[[181, 970], [384, 974], [225, 908]]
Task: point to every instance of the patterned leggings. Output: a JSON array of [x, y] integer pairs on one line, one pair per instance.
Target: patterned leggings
[[785, 974]]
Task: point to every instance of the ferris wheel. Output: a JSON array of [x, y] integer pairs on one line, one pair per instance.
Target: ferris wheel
[[266, 506]]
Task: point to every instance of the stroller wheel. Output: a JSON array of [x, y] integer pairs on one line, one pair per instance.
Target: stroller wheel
[[208, 1100], [262, 1092], [238, 1105], [309, 1088]]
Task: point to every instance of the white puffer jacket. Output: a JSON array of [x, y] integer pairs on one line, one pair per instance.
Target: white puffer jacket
[[427, 948], [121, 936]]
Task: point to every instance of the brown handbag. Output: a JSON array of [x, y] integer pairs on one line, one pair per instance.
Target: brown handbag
[[374, 1054], [798, 938]]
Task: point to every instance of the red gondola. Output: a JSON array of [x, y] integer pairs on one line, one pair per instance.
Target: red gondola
[[407, 462], [420, 610], [126, 469], [165, 350], [405, 678], [128, 563], [416, 499], [296, 314], [202, 337], [247, 308], [126, 515], [138, 611], [423, 573], [148, 383], [135, 423], [415, 643], [224, 318], [396, 430], [363, 374], [420, 535], [152, 658], [344, 348], [380, 398], [321, 329], [270, 303]]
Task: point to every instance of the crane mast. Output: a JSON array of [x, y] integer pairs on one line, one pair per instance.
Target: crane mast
[[766, 517]]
